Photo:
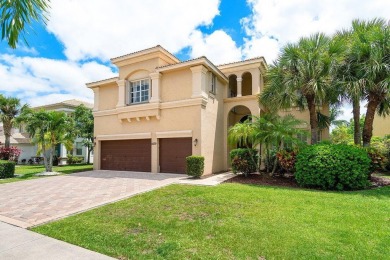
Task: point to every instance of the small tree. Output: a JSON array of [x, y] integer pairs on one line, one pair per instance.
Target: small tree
[[84, 125], [270, 129], [10, 108], [47, 129]]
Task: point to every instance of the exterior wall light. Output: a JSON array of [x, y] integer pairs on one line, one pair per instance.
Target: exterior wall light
[[195, 142]]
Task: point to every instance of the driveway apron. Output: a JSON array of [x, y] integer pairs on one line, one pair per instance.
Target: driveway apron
[[33, 202]]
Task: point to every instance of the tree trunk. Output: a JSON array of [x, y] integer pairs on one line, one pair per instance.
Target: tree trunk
[[281, 146], [51, 156], [313, 118], [45, 161], [356, 122], [89, 155], [7, 128], [372, 105]]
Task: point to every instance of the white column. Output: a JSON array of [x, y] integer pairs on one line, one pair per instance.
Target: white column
[[121, 92], [239, 87], [199, 81], [95, 99], [256, 81], [156, 83]]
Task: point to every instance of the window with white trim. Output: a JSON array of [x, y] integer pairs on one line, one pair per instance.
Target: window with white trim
[[139, 91]]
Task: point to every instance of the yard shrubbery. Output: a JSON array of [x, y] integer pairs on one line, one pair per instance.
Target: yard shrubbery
[[74, 159], [7, 169], [333, 167], [244, 160], [195, 166]]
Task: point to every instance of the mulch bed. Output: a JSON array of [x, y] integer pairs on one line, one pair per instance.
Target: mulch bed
[[289, 181]]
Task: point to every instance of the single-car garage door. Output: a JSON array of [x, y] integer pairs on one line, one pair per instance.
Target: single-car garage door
[[126, 155], [173, 153]]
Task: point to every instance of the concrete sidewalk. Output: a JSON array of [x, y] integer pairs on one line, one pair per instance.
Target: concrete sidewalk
[[18, 243]]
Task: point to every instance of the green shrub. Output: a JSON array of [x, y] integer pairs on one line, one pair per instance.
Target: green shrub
[[195, 165], [333, 167], [74, 159], [378, 158], [244, 160], [7, 169]]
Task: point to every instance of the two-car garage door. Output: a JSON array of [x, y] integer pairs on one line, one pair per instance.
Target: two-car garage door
[[135, 155]]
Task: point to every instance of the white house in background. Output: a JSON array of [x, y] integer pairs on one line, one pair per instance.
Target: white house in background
[[22, 140]]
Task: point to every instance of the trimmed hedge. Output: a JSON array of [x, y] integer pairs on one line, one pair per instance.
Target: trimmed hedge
[[7, 169], [195, 165], [333, 167], [244, 160]]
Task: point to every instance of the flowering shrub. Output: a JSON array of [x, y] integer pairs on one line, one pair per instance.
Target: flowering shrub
[[11, 154], [244, 160], [287, 160]]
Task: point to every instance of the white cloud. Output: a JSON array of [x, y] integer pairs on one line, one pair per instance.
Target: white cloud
[[39, 80], [281, 21], [219, 47], [103, 29]]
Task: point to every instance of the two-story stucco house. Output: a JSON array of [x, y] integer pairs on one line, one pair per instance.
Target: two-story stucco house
[[160, 110]]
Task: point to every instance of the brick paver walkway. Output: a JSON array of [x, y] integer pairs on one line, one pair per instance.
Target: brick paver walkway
[[33, 202]]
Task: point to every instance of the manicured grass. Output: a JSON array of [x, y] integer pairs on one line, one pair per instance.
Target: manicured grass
[[26, 172], [235, 221]]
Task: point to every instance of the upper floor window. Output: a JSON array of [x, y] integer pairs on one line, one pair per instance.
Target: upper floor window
[[139, 91], [213, 83]]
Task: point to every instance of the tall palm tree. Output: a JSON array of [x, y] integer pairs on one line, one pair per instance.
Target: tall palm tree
[[302, 76], [376, 74], [47, 129], [16, 14], [363, 58], [10, 108]]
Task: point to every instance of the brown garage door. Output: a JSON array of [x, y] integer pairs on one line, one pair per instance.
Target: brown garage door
[[126, 155], [173, 153]]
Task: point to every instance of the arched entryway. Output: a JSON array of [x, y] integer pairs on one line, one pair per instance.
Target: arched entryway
[[237, 114]]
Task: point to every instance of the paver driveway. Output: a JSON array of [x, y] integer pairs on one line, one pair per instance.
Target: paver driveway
[[33, 202]]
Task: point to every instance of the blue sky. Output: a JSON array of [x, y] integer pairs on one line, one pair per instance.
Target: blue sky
[[81, 36]]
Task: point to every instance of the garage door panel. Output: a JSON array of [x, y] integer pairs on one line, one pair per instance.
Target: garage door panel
[[173, 153], [126, 155]]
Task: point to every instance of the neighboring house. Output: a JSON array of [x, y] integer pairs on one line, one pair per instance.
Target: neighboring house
[[21, 139], [381, 126], [160, 110]]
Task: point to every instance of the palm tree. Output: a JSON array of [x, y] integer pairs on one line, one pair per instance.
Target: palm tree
[[375, 72], [302, 76], [16, 14], [10, 108], [352, 74], [47, 129], [270, 130]]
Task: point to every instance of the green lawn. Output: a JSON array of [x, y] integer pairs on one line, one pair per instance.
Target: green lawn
[[235, 221], [27, 172]]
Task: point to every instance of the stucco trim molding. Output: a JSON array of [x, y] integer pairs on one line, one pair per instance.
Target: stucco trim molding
[[238, 99], [174, 134], [124, 136]]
